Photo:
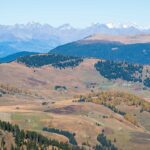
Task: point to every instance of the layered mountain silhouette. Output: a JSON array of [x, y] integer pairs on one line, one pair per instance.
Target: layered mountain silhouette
[[15, 56], [36, 37]]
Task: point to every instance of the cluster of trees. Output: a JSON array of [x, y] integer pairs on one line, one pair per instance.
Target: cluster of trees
[[8, 89], [59, 87], [105, 144], [145, 106], [114, 109], [31, 140], [70, 136], [147, 82], [71, 63], [113, 99], [120, 70], [102, 102], [2, 92], [131, 118], [57, 61]]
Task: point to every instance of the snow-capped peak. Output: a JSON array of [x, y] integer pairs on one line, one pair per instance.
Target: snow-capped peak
[[110, 25], [119, 25]]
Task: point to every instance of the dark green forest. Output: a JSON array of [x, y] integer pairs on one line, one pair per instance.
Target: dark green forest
[[105, 144], [31, 139], [113, 51], [114, 109], [120, 70], [69, 135], [147, 82], [57, 61]]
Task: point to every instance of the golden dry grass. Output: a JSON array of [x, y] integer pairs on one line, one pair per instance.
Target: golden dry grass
[[120, 38], [60, 112]]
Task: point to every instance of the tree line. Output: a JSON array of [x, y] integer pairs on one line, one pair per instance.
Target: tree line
[[69, 135], [147, 82], [105, 144], [57, 61], [120, 70], [31, 140], [114, 109]]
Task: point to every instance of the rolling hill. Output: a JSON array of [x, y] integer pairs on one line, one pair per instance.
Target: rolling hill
[[79, 100], [35, 97], [68, 75], [118, 48], [111, 70], [36, 37], [15, 56]]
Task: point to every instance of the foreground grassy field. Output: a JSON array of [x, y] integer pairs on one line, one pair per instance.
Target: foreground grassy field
[[87, 120]]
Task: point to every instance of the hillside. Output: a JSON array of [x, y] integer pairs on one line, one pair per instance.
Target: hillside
[[125, 39], [13, 57], [21, 139], [130, 49], [111, 70], [46, 79], [126, 71], [66, 76], [74, 103]]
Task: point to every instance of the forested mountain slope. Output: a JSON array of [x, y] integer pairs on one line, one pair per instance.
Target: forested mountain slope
[[129, 50]]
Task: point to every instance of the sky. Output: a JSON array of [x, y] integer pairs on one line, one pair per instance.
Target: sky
[[79, 13]]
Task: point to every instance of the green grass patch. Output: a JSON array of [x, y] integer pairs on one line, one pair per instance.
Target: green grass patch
[[34, 121]]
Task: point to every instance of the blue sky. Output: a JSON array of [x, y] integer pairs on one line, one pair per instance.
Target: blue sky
[[79, 13]]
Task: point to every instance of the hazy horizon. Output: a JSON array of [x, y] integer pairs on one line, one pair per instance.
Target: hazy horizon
[[77, 13]]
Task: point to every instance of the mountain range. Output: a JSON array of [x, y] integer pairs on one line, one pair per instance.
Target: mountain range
[[35, 37]]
